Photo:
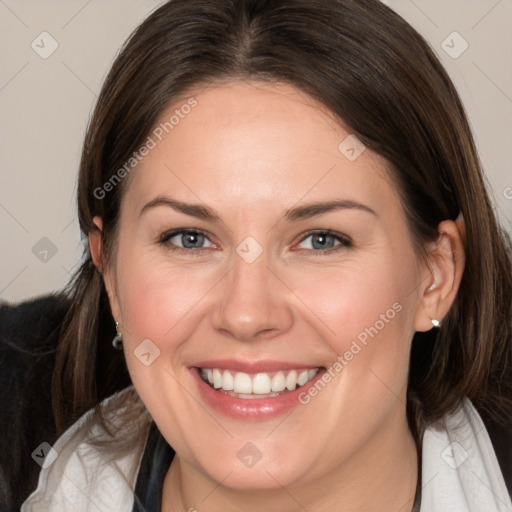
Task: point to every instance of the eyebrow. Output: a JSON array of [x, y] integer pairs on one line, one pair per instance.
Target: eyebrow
[[194, 210], [293, 214], [313, 209]]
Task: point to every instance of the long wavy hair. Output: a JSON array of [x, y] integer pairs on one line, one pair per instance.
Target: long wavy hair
[[372, 70]]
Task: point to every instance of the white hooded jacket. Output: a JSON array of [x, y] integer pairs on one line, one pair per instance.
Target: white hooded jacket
[[460, 472]]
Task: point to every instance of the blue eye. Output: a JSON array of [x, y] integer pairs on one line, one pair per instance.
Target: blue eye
[[324, 241], [195, 241], [185, 239]]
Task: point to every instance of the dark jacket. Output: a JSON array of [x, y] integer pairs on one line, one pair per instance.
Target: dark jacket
[[29, 333]]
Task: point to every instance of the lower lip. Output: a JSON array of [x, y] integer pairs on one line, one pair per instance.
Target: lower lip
[[257, 409]]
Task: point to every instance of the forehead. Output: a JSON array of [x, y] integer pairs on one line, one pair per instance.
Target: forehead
[[259, 144]]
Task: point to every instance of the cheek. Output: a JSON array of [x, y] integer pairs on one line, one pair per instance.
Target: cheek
[[155, 297], [358, 299], [365, 312], [161, 304]]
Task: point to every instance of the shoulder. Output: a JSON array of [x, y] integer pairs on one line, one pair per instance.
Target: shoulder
[[28, 337], [32, 317], [460, 470], [91, 467]]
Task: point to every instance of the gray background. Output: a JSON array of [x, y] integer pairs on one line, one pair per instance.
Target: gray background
[[45, 104]]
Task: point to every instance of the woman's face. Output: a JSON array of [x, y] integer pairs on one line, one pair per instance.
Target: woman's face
[[258, 246]]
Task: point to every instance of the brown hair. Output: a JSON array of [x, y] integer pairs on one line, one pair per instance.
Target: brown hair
[[376, 73]]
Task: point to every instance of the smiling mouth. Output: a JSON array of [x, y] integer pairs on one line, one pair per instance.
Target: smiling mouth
[[258, 385]]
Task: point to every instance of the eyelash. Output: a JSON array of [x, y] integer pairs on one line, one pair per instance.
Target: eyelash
[[345, 242], [164, 240]]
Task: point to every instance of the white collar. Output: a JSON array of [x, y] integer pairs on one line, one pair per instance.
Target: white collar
[[460, 472]]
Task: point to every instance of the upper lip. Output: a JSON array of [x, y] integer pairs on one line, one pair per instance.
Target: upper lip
[[261, 366]]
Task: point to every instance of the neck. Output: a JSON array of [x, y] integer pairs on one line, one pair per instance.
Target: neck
[[382, 475]]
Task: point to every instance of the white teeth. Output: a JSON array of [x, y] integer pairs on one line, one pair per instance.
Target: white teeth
[[278, 382], [291, 380], [244, 385], [302, 378], [261, 384], [217, 379], [228, 382], [251, 396]]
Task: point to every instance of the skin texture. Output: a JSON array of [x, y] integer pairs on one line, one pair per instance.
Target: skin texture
[[250, 152]]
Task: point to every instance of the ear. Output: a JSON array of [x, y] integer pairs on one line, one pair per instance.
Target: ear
[[442, 274], [96, 244], [96, 248]]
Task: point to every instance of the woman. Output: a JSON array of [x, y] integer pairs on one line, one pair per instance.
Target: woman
[[287, 223]]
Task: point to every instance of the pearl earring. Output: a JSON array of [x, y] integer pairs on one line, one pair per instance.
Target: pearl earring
[[117, 342]]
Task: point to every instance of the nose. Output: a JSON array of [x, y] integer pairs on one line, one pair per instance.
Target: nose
[[252, 303]]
